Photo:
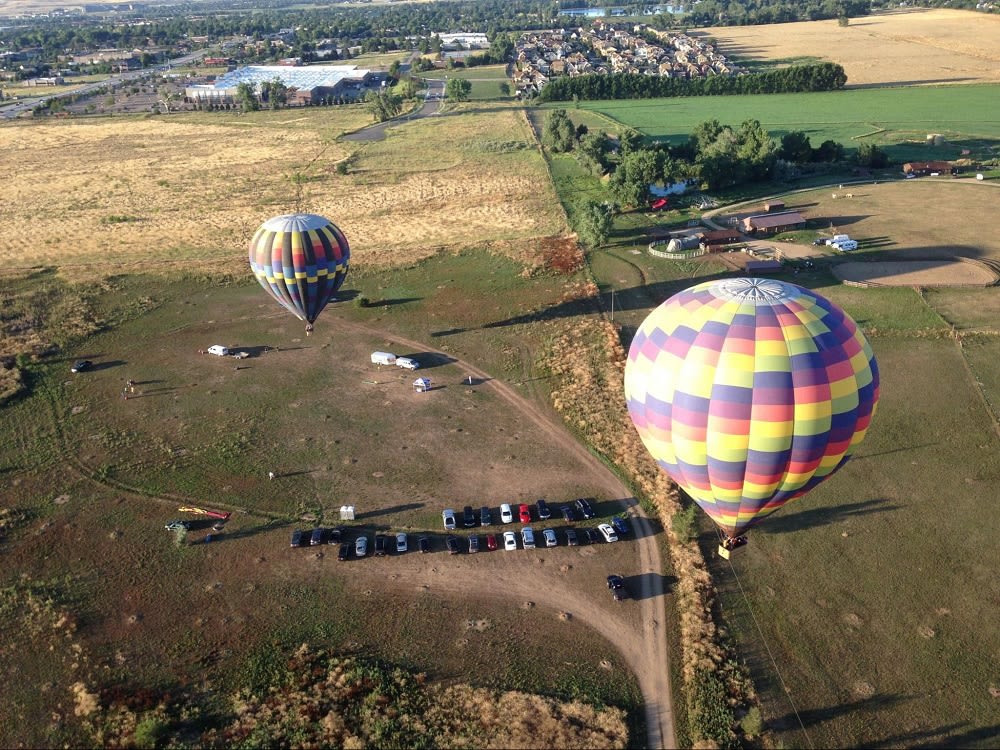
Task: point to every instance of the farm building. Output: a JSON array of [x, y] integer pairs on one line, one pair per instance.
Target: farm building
[[312, 84], [717, 238], [774, 206], [773, 223], [927, 167], [763, 266], [688, 242]]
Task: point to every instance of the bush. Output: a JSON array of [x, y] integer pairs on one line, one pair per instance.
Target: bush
[[752, 724], [149, 732], [685, 524], [361, 302], [710, 715]]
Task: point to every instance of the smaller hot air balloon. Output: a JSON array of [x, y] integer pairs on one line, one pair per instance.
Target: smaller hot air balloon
[[301, 260], [749, 393]]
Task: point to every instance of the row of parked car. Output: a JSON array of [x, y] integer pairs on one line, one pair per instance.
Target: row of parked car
[[399, 543], [569, 513]]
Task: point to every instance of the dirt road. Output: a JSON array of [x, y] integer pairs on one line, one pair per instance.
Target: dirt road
[[431, 106], [530, 582]]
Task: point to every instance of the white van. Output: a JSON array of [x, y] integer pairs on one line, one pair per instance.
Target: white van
[[218, 350], [837, 239], [846, 245], [383, 358], [407, 363]]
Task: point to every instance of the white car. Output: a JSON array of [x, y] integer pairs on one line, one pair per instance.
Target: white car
[[506, 514], [528, 538], [361, 546], [448, 517], [400, 542], [509, 541], [407, 363], [550, 537], [608, 532]]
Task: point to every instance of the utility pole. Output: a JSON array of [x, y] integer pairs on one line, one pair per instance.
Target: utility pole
[[612, 304]]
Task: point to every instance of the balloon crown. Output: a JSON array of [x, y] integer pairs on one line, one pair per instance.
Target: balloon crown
[[755, 291]]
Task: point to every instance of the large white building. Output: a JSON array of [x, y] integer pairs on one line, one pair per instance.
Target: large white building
[[312, 83]]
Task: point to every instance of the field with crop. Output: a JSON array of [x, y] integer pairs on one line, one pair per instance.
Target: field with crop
[[901, 48], [485, 80], [897, 119], [195, 187]]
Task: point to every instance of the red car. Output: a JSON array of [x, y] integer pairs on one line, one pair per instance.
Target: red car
[[491, 541], [525, 513], [659, 204]]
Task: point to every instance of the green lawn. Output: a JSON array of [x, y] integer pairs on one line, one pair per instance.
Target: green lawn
[[896, 118]]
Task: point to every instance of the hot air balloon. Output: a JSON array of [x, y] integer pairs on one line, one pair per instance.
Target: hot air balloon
[[749, 393], [301, 260]]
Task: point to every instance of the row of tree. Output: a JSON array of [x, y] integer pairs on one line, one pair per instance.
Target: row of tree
[[796, 78]]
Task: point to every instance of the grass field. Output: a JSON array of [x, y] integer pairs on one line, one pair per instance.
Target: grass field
[[897, 119], [485, 80], [196, 186], [15, 89], [90, 479], [905, 47]]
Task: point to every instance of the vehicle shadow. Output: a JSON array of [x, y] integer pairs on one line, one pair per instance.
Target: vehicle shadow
[[427, 360], [109, 364], [638, 585]]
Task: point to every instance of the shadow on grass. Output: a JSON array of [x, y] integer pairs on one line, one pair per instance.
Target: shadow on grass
[[394, 509], [639, 585], [811, 717], [427, 360], [390, 302], [946, 736], [807, 519], [108, 365]]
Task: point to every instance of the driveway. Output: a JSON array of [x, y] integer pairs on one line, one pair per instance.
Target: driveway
[[431, 106]]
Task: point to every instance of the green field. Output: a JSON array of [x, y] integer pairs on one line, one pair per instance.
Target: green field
[[898, 119]]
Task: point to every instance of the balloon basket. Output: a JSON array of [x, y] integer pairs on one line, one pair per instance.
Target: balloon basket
[[723, 552]]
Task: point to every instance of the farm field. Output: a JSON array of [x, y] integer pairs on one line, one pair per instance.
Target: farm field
[[90, 481], [14, 89], [899, 48], [897, 119], [485, 80], [196, 187]]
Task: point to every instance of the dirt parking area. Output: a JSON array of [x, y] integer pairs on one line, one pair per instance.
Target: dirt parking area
[[925, 273]]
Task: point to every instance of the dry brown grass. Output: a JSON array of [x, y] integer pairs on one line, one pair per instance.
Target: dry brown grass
[[104, 192], [914, 46]]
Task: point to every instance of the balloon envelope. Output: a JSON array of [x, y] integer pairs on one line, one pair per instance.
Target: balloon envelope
[[749, 393], [301, 260]]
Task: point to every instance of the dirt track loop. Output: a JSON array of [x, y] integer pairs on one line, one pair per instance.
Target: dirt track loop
[[645, 649]]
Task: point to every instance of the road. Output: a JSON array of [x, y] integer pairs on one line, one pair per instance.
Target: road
[[431, 106], [645, 651], [10, 110]]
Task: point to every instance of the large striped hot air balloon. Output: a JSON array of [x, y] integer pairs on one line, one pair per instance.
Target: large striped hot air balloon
[[301, 260], [749, 393]]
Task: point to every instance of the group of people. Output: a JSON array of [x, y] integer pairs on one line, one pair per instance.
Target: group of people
[[129, 388]]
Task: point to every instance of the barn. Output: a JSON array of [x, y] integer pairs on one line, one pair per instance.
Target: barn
[[929, 167], [773, 223], [774, 206], [716, 239]]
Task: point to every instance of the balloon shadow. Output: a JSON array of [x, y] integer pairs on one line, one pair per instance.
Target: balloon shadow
[[812, 717], [807, 519]]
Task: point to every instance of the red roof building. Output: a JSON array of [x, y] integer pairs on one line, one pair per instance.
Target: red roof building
[[773, 223]]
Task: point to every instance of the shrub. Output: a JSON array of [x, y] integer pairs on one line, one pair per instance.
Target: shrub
[[752, 724], [149, 732], [684, 523], [361, 302], [710, 715]]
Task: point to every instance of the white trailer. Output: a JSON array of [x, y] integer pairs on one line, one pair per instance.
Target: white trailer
[[383, 358]]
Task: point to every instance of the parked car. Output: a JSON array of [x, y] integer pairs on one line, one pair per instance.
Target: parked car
[[298, 538], [468, 517], [452, 544], [584, 507], [544, 512], [178, 525], [509, 541], [571, 539], [491, 542], [401, 542], [473, 544], [618, 588], [593, 537], [506, 515], [485, 517], [527, 538], [424, 543], [607, 532], [620, 524], [524, 513], [335, 536], [81, 365], [344, 552], [380, 544], [316, 537], [567, 513], [361, 546], [550, 537], [448, 517], [407, 362]]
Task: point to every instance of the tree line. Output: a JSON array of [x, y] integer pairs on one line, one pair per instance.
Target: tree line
[[794, 79]]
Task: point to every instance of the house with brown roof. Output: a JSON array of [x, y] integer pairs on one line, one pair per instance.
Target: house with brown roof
[[717, 238], [773, 223], [927, 167]]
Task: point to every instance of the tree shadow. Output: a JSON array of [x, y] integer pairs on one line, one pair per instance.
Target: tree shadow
[[807, 519], [811, 717]]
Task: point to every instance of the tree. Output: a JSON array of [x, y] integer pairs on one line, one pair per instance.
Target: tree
[[637, 170], [458, 89], [795, 147], [592, 150], [559, 135], [829, 151], [504, 88], [384, 105], [870, 155], [595, 223]]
